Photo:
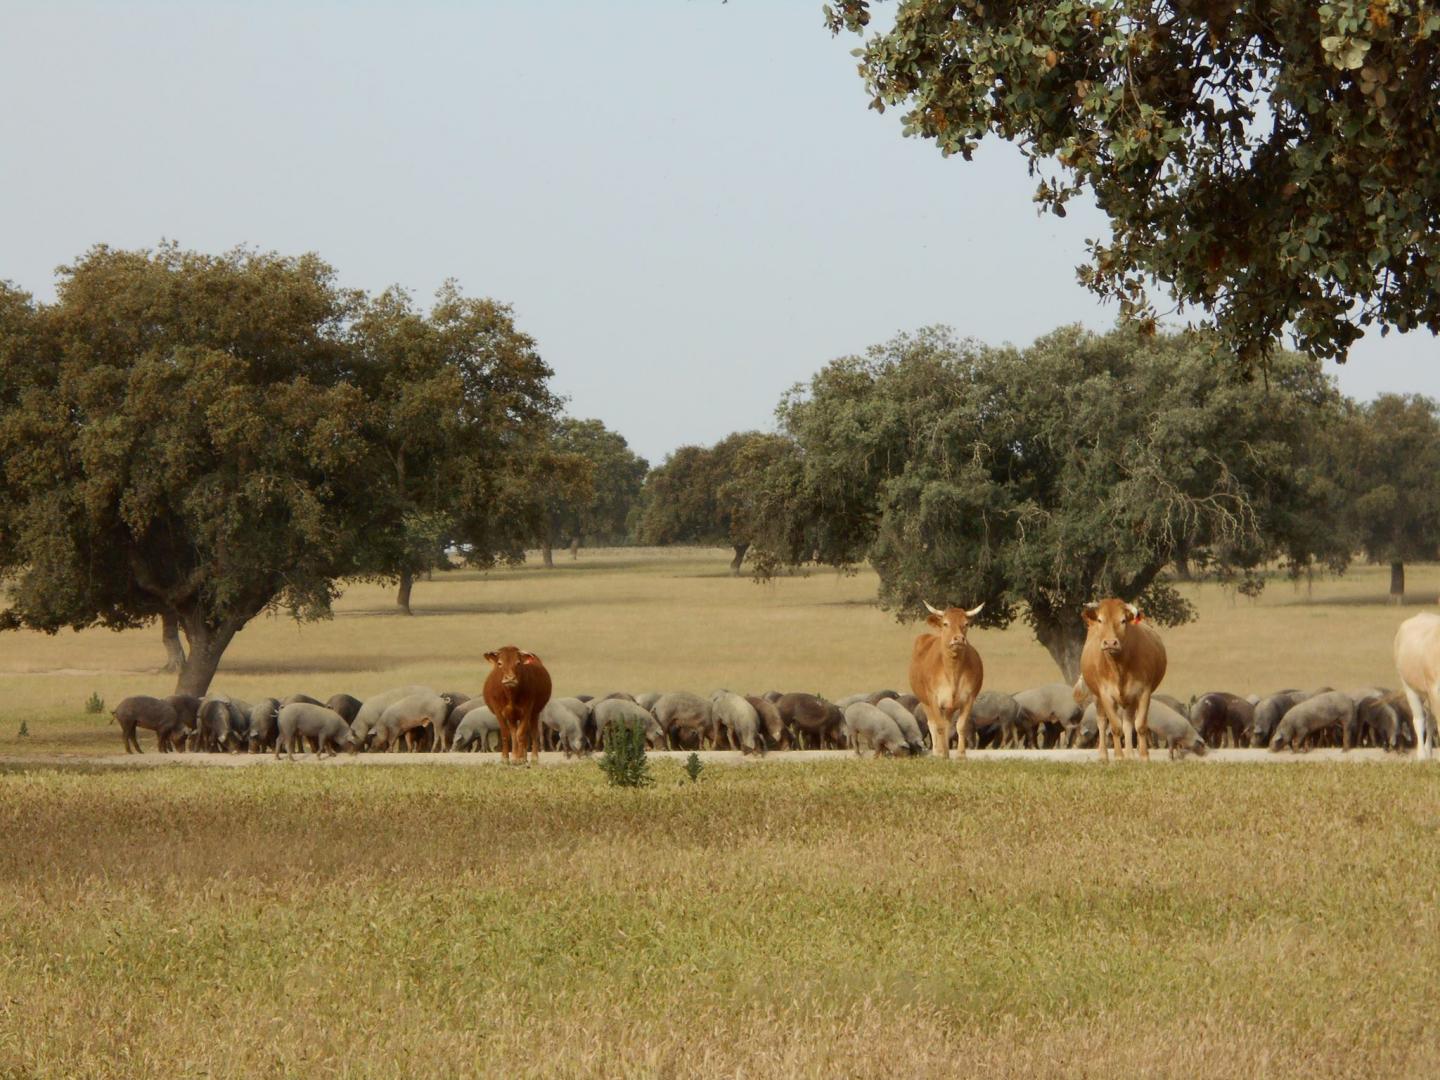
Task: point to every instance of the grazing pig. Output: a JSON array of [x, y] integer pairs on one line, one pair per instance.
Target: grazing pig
[[996, 714], [687, 719], [264, 725], [905, 721], [1329, 711], [739, 721], [300, 699], [811, 717], [777, 736], [1123, 664], [1269, 712], [1378, 721], [1051, 708], [187, 709], [446, 731], [1219, 716], [222, 721], [647, 701], [345, 705], [324, 727], [568, 725], [1173, 731], [1417, 662], [409, 714], [369, 713], [474, 724], [152, 714], [623, 711], [870, 726]]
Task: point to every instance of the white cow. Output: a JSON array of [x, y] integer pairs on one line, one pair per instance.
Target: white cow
[[1417, 661]]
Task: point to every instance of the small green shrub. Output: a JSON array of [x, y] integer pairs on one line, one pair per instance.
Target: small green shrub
[[95, 703], [693, 766], [24, 730], [624, 761]]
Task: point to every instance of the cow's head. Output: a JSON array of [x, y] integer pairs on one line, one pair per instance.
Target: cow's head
[[950, 625], [508, 662], [1111, 619]]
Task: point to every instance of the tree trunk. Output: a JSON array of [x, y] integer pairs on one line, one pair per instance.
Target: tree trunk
[[1397, 583], [1182, 568], [740, 550], [170, 635], [1064, 641], [402, 598], [574, 547], [547, 546], [207, 645]]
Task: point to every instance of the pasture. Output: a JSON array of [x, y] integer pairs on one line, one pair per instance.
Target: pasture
[[663, 619], [844, 917]]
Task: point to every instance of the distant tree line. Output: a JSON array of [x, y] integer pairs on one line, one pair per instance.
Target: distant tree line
[[192, 440], [1038, 479]]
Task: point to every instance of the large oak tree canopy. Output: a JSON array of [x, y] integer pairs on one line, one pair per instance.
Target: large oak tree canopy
[[1273, 162], [204, 437], [1041, 479]]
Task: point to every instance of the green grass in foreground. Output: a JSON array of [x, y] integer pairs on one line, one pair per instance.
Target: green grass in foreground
[[856, 918]]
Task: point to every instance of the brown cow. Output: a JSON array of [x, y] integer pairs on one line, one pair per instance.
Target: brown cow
[[1122, 665], [946, 673], [517, 688]]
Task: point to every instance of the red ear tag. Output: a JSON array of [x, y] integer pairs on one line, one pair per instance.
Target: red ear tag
[[1139, 618]]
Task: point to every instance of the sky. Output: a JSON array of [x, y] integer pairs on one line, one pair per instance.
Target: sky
[[687, 203]]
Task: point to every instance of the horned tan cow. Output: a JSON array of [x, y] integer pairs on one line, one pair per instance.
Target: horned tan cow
[[1122, 665], [1417, 662], [946, 673], [516, 690]]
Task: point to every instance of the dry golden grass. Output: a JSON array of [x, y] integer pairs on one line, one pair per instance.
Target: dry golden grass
[[847, 918], [906, 918], [652, 619]]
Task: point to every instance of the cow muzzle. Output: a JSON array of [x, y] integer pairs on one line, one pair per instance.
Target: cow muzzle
[[1110, 648], [511, 681]]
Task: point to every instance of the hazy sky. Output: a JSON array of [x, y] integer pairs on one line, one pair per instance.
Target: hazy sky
[[687, 202]]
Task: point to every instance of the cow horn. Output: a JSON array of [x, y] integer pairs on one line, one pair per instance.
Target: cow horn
[[1134, 611], [974, 611], [932, 610], [1093, 605]]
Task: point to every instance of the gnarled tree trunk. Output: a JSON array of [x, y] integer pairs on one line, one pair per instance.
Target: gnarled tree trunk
[[574, 547], [402, 597], [207, 644], [170, 635], [740, 550], [1064, 640], [1397, 583]]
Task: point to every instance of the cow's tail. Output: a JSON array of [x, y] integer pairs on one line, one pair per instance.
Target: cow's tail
[[1080, 691]]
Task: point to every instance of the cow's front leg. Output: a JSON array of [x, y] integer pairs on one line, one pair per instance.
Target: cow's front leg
[[963, 728], [1105, 717], [939, 730]]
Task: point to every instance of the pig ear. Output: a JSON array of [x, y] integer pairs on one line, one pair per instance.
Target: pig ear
[[494, 658], [529, 658]]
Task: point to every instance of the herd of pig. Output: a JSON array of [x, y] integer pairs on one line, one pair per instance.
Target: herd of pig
[[883, 722]]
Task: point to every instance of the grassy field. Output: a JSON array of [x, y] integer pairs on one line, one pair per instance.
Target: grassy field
[[892, 918], [675, 619], [845, 918]]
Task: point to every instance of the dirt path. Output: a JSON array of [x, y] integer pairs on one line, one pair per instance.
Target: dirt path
[[709, 757]]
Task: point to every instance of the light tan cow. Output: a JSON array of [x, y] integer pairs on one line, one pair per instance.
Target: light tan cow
[[1122, 665], [1417, 662], [945, 674]]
